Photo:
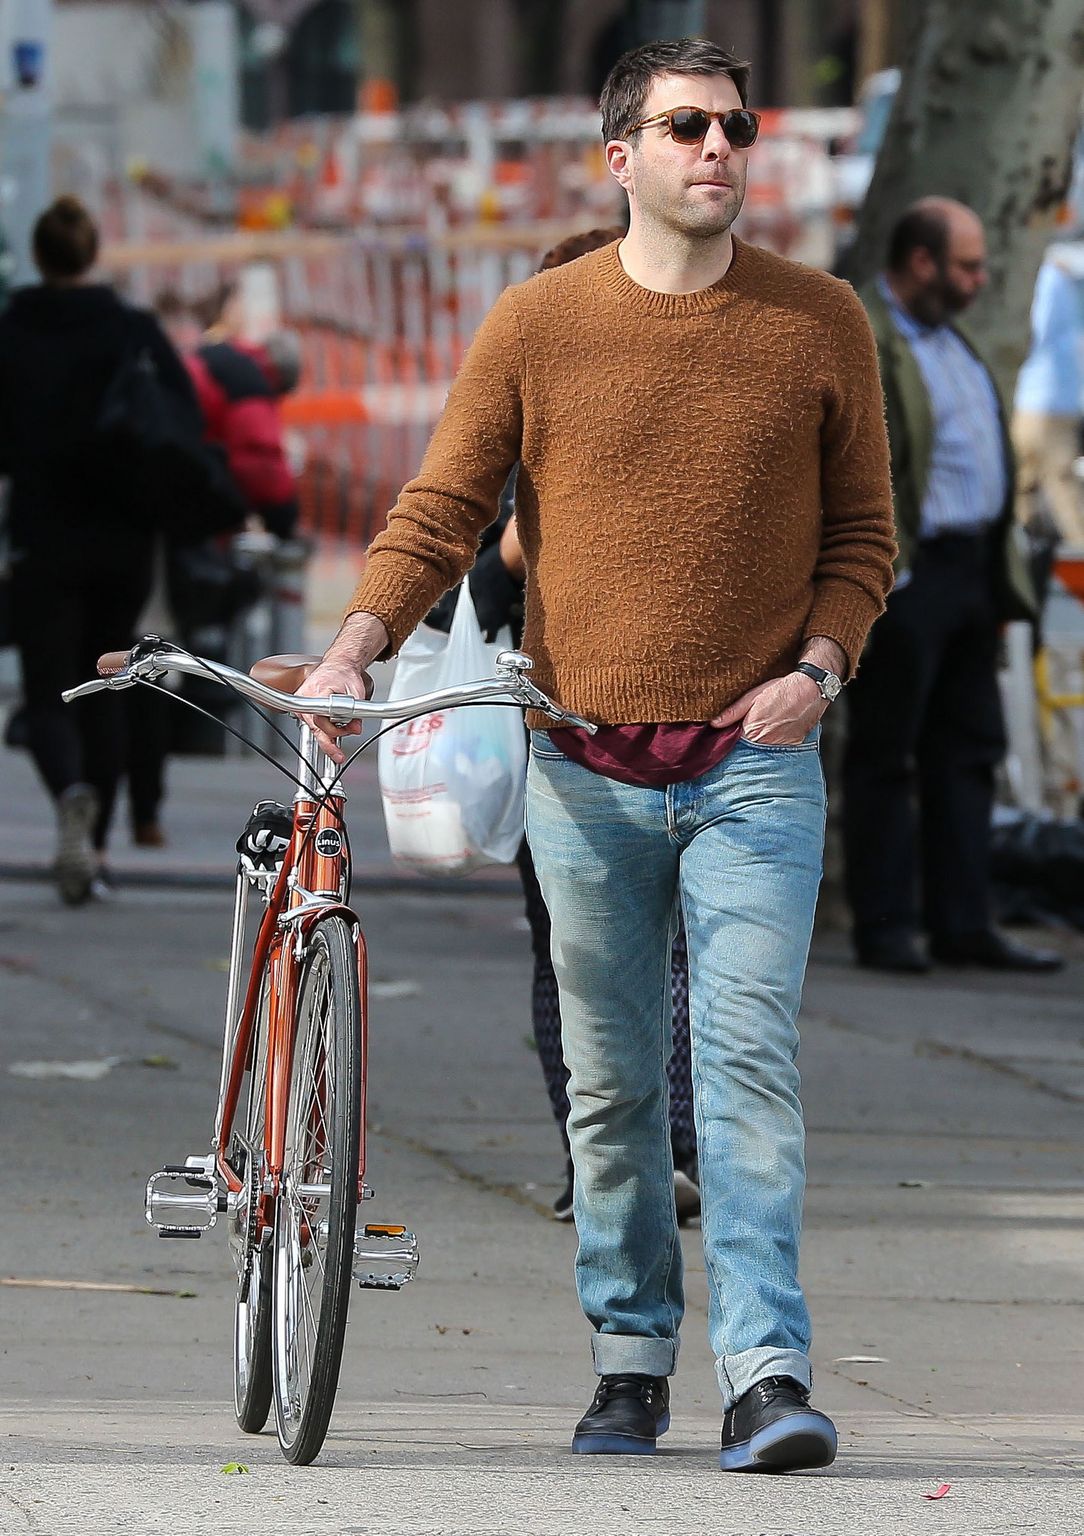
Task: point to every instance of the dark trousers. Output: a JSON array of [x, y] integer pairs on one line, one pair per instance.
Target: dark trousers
[[64, 620], [925, 733], [148, 719], [546, 1018]]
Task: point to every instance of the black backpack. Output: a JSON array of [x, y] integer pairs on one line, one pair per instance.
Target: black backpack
[[148, 452]]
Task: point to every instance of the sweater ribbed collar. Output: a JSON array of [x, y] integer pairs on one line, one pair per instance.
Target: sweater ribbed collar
[[649, 301]]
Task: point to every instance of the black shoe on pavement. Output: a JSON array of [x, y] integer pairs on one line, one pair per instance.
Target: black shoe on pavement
[[992, 950], [772, 1428], [893, 950], [562, 1206], [76, 860], [626, 1416]]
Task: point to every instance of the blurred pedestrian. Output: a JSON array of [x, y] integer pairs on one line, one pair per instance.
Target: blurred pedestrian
[[704, 508], [239, 385], [924, 719], [497, 580], [149, 715], [211, 583], [1047, 407], [81, 375]]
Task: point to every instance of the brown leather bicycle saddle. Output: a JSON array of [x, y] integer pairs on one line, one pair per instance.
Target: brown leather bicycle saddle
[[286, 673]]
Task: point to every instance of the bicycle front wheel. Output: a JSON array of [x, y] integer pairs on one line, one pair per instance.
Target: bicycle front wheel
[[252, 1315], [317, 1207]]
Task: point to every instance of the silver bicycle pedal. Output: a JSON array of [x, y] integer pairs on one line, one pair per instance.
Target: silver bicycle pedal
[[385, 1257], [184, 1200]]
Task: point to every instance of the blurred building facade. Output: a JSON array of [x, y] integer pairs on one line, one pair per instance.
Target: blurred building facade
[[156, 83], [170, 82], [181, 73], [314, 55]]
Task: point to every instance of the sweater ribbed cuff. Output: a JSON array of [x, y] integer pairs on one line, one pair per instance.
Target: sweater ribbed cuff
[[844, 613], [400, 599]]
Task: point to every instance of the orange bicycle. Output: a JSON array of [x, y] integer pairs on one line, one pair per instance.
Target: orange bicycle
[[287, 1165]]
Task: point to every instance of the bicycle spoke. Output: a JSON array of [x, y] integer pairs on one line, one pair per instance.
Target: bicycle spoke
[[314, 1239], [306, 1165]]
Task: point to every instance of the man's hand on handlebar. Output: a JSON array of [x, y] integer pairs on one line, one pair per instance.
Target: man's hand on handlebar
[[359, 642]]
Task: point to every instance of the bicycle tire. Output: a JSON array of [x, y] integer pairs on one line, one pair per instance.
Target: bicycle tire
[[314, 1233], [252, 1374]]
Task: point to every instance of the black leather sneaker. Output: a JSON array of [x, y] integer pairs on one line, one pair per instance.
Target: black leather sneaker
[[772, 1428], [626, 1416], [562, 1206]]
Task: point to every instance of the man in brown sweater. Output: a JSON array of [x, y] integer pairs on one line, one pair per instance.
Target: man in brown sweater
[[705, 512]]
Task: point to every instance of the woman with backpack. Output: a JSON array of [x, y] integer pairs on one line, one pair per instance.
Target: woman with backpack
[[98, 427]]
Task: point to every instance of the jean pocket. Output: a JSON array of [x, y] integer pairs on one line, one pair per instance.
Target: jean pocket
[[543, 748], [810, 744]]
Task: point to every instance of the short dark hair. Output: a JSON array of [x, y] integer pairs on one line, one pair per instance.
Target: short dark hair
[[627, 85], [169, 305], [212, 306], [918, 228], [65, 240], [579, 245]]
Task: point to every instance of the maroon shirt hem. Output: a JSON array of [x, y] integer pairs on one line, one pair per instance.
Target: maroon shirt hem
[[648, 756]]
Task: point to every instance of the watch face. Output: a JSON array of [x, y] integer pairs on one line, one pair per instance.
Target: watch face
[[831, 686]]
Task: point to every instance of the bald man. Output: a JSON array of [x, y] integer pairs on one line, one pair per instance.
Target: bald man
[[925, 729]]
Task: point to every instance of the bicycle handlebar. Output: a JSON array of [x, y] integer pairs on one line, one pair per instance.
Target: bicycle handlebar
[[144, 663]]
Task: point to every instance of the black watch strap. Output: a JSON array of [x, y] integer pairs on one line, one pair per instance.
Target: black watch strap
[[828, 683]]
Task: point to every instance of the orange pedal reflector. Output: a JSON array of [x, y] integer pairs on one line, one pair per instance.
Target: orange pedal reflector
[[384, 1229]]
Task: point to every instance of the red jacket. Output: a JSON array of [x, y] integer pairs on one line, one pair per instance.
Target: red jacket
[[236, 393]]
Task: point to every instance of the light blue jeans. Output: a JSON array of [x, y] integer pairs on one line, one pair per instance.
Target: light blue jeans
[[741, 849]]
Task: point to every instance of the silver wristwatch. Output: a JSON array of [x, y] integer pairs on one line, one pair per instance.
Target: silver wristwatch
[[828, 683]]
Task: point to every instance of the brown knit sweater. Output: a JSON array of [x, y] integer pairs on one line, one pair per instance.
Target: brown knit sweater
[[703, 486]]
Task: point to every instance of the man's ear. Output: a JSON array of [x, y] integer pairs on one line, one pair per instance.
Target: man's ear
[[619, 160], [924, 265]]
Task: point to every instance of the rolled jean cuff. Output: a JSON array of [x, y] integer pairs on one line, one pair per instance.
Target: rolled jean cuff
[[621, 1354], [737, 1373]]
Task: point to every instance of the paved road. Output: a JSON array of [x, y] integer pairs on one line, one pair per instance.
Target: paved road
[[944, 1238]]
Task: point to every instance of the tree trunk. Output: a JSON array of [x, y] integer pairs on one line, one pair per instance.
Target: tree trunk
[[987, 112]]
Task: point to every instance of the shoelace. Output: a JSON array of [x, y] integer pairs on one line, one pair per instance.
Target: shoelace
[[625, 1386], [774, 1386]]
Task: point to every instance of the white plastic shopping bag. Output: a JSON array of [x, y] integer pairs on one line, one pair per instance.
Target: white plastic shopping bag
[[452, 783]]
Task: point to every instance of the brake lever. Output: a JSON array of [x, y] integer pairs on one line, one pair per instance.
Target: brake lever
[[69, 695], [534, 699], [516, 664], [135, 670]]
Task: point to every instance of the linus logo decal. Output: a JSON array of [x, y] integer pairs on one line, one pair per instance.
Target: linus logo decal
[[329, 843], [416, 735]]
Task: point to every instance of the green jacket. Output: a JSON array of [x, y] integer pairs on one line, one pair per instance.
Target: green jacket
[[910, 438]]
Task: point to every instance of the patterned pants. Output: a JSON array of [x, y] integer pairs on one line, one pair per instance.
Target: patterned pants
[[546, 1015]]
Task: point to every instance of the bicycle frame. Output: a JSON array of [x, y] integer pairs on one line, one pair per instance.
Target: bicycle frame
[[306, 921], [310, 885]]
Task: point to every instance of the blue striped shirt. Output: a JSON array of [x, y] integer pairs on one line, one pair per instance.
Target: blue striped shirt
[[968, 475]]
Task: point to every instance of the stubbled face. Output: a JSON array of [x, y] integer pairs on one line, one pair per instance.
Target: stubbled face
[[948, 286], [695, 190]]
